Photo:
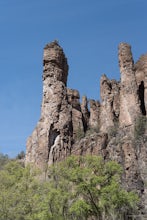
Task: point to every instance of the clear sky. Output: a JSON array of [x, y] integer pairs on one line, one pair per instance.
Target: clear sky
[[89, 32]]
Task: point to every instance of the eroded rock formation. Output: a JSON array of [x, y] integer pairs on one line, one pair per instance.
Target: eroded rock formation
[[54, 129], [104, 128], [110, 103], [129, 100]]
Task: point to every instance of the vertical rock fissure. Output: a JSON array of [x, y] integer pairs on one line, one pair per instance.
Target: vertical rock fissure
[[141, 98]]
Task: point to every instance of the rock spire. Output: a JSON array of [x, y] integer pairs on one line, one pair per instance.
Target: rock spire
[[54, 129]]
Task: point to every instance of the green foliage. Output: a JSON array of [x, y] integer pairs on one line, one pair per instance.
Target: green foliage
[[3, 160], [21, 155], [140, 127], [19, 193], [78, 188], [92, 189]]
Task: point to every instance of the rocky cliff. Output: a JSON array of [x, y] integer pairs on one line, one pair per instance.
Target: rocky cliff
[[114, 128]]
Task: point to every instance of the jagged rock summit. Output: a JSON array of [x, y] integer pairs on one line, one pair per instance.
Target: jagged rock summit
[[67, 126], [62, 115]]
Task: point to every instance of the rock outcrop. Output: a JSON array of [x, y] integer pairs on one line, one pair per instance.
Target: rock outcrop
[[110, 103], [105, 128], [129, 110], [54, 129]]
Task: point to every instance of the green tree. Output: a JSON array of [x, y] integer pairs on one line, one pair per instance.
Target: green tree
[[20, 192], [89, 187], [21, 155], [78, 188]]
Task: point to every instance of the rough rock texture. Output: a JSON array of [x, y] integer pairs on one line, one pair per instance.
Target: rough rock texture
[[67, 127], [94, 120], [54, 129], [129, 101], [110, 104], [94, 144], [77, 118]]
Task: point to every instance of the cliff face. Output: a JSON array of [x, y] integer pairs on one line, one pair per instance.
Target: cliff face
[[108, 128]]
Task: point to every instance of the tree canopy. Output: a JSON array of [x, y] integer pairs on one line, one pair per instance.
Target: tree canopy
[[79, 188]]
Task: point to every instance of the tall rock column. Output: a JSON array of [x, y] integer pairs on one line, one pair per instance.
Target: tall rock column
[[109, 103], [129, 101], [94, 120], [53, 133]]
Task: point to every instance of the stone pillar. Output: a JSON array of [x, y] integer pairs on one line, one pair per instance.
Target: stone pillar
[[94, 120], [109, 103], [129, 102], [53, 132]]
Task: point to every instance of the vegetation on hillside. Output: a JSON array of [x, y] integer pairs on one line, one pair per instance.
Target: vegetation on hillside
[[3, 160], [79, 188]]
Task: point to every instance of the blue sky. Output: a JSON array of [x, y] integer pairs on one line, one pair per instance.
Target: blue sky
[[89, 32]]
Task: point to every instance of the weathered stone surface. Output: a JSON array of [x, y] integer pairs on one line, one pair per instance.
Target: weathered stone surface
[[94, 120], [54, 130], [94, 144], [77, 117], [110, 103], [129, 101]]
